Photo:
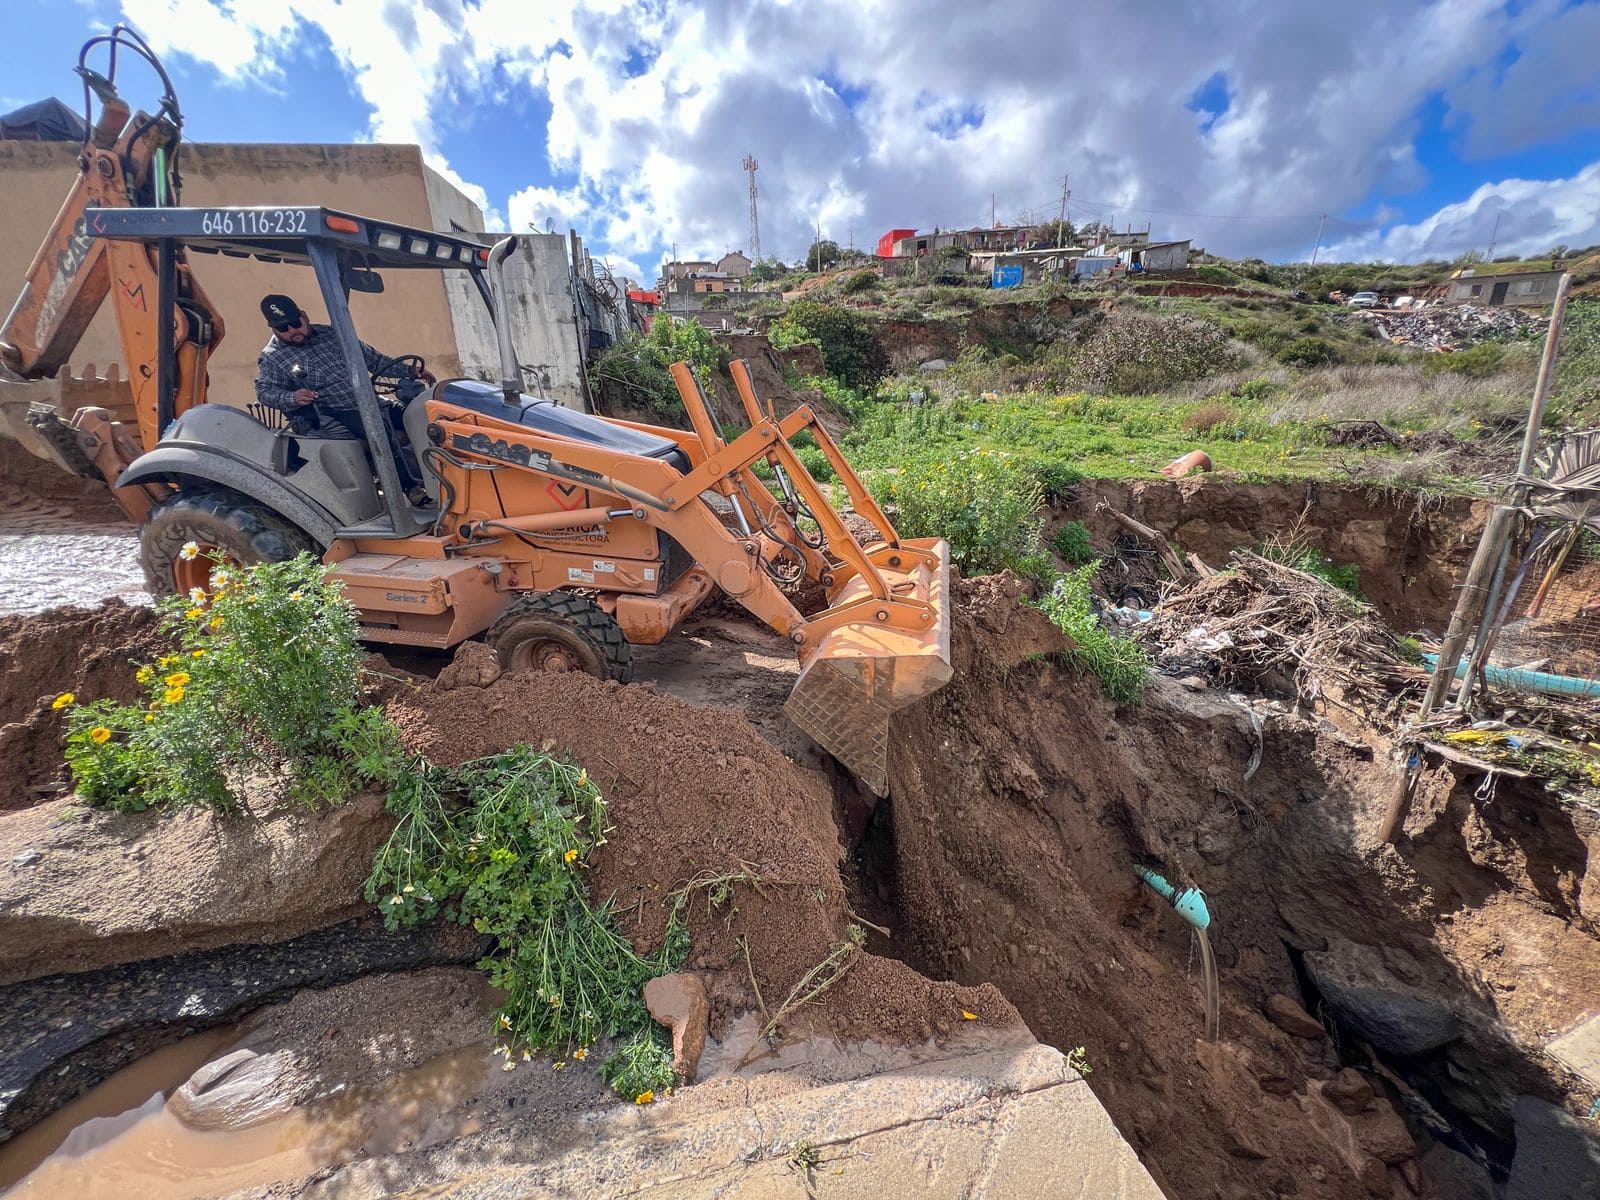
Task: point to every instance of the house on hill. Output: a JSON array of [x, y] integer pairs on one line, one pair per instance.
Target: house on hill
[[1520, 288]]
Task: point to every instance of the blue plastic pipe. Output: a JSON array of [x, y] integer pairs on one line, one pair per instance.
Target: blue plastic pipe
[[1528, 681], [1189, 903]]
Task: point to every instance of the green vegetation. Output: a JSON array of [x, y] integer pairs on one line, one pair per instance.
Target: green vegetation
[[634, 373], [850, 348], [983, 501], [1072, 543], [262, 679], [501, 844], [1119, 663]]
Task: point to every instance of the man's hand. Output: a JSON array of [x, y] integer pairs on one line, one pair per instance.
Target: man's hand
[[305, 396]]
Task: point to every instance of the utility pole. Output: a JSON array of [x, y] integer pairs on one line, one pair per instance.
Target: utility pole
[[992, 221], [1317, 249], [751, 166], [816, 244], [1489, 257], [1061, 221]]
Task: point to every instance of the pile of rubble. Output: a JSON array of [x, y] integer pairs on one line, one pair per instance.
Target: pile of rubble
[[1454, 327]]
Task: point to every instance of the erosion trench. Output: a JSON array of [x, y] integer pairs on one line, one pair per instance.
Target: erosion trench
[[1384, 1015]]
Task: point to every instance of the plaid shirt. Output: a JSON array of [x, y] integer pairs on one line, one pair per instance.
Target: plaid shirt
[[324, 366]]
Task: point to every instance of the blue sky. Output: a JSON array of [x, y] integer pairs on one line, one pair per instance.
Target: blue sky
[[1412, 125]]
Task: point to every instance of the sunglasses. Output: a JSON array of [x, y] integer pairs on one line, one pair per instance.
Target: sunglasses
[[286, 328]]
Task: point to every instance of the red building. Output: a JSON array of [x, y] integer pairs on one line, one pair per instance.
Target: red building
[[887, 241]]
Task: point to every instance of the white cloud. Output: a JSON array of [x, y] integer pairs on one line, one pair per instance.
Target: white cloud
[[904, 113], [1535, 214]]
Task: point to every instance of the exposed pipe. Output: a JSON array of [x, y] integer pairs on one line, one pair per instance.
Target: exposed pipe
[[510, 371], [1190, 904], [1519, 679]]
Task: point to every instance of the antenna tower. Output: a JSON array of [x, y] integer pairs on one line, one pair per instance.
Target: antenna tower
[[751, 166]]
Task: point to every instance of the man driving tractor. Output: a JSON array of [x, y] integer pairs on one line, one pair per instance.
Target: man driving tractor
[[302, 374]]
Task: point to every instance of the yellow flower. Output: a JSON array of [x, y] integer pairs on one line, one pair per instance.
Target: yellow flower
[[99, 734], [167, 660], [172, 695], [251, 598], [644, 1098], [197, 654], [145, 674], [148, 717], [505, 1021], [967, 1016], [583, 778], [177, 679], [62, 700], [569, 856], [581, 1053], [215, 622], [558, 1066], [190, 551], [194, 614], [296, 596]]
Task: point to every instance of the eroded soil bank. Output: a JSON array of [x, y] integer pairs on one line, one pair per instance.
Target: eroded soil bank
[[1021, 802]]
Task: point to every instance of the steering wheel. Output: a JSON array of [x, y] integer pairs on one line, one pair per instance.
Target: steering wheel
[[394, 372]]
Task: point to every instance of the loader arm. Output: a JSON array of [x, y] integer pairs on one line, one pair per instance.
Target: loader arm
[[128, 159]]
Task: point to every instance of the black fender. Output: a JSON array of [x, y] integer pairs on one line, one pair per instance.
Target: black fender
[[181, 464]]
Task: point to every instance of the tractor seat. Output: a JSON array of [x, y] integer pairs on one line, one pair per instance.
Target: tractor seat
[[549, 417]]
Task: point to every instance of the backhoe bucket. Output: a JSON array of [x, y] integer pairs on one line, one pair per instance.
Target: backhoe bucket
[[863, 672]]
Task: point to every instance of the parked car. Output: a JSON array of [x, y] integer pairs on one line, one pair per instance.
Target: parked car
[[1364, 300]]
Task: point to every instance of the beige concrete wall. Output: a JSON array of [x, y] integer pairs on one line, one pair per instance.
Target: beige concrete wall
[[412, 316]]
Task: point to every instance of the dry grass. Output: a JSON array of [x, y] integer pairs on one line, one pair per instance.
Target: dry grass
[[1403, 398]]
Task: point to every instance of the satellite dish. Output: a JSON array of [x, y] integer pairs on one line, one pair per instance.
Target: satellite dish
[[549, 224]]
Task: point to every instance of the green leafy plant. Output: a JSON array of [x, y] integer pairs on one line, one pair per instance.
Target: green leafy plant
[[862, 282], [1302, 557], [982, 501], [500, 844], [850, 347], [262, 677], [634, 372], [640, 1069], [1073, 544], [1121, 664]]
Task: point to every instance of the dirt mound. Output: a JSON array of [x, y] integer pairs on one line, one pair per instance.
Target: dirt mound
[[697, 794], [80, 650]]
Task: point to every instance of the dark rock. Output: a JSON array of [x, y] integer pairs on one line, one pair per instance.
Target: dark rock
[[1291, 1018], [1557, 1158], [1380, 1009], [1349, 1091], [1450, 1175]]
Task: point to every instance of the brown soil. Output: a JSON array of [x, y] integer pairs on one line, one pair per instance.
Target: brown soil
[[697, 793], [1021, 800], [29, 482], [1410, 553], [85, 651]]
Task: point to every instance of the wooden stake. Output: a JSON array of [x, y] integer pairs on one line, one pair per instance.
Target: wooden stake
[[1169, 557]]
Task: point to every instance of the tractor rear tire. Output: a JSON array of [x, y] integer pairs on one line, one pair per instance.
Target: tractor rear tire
[[561, 631], [218, 521]]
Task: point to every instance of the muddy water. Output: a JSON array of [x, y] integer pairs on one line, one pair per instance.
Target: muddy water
[[121, 1141]]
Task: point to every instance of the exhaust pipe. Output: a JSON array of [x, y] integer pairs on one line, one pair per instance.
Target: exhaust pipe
[[510, 371]]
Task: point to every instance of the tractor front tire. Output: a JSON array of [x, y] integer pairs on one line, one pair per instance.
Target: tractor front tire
[[561, 631], [219, 522]]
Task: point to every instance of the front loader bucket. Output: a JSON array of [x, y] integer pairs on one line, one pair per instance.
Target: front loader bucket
[[861, 673]]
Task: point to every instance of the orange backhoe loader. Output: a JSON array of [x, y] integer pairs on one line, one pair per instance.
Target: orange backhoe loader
[[561, 538]]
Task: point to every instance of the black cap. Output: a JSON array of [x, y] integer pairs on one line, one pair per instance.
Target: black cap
[[280, 310]]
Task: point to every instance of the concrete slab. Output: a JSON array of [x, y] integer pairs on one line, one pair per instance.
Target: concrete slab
[[1579, 1050], [1013, 1121]]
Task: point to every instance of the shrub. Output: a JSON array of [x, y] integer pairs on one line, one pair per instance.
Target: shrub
[[862, 281], [263, 676], [816, 462], [1308, 352], [1135, 353], [1208, 417], [633, 371], [1072, 543], [982, 501], [1058, 481], [1477, 362], [501, 844], [1119, 663], [850, 349]]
